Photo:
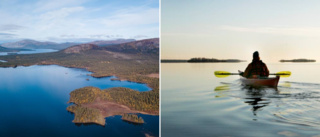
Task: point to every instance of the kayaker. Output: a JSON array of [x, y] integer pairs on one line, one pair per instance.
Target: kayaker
[[256, 68]]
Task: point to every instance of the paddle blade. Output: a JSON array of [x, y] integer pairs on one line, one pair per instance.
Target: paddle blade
[[222, 74], [284, 74]]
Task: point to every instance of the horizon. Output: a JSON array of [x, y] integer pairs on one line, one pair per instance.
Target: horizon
[[78, 20], [94, 40], [235, 29]]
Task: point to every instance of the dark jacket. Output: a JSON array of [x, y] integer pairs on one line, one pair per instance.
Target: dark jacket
[[256, 67]]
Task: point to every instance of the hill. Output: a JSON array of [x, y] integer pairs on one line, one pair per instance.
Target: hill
[[149, 46], [111, 42], [33, 44]]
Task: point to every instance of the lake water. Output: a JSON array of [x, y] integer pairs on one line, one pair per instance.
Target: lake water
[[33, 51], [196, 103], [33, 102]]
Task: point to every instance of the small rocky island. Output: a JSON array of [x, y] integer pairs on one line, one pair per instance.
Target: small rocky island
[[298, 60], [92, 105]]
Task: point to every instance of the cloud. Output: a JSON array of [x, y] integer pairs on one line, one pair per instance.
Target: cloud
[[7, 34], [293, 31], [49, 5], [133, 17], [11, 27], [60, 13]]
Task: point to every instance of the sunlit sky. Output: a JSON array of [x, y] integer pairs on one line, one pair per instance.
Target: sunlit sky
[[78, 20], [234, 29]]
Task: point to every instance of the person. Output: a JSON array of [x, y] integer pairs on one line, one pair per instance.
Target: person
[[256, 68]]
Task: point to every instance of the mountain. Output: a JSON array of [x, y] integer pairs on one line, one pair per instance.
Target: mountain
[[141, 46], [111, 42], [148, 46], [4, 49], [80, 48], [32, 44]]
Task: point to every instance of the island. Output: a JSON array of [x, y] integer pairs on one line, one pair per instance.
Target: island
[[173, 61], [133, 118], [92, 105], [136, 61], [194, 60], [298, 60]]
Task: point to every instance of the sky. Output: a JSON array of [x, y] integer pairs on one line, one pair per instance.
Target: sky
[[234, 29], [78, 20]]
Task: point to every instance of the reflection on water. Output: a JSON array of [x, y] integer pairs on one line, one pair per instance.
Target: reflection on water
[[192, 95]]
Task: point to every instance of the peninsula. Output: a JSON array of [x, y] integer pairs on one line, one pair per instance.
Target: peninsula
[[298, 60]]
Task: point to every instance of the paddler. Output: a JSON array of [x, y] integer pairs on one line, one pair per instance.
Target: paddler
[[256, 68]]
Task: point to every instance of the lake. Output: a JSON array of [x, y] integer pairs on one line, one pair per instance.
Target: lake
[[196, 103], [32, 51], [33, 102]]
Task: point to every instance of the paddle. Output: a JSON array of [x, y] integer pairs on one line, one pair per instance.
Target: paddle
[[222, 74]]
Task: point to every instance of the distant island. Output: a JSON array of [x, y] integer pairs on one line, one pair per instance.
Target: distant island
[[173, 61], [298, 60], [195, 60]]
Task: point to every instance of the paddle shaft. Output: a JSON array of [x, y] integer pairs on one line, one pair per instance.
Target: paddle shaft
[[239, 74]]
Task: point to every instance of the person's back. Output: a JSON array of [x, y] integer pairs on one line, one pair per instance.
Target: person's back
[[256, 68]]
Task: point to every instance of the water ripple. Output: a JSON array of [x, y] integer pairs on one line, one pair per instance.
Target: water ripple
[[291, 103]]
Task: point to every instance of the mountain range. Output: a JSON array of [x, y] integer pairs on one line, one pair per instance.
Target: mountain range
[[33, 44]]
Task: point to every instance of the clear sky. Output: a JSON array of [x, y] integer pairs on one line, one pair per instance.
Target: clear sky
[[234, 29], [78, 20]]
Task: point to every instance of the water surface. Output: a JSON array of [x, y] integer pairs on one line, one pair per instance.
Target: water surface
[[196, 103], [33, 102]]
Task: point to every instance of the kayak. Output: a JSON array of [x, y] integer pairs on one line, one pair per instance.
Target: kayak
[[257, 82]]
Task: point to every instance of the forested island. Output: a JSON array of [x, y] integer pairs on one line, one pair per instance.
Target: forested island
[[92, 105], [132, 118], [173, 61], [298, 60], [136, 61], [193, 60]]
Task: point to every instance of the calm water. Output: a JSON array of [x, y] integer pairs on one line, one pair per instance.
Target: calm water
[[196, 103], [33, 102], [33, 51]]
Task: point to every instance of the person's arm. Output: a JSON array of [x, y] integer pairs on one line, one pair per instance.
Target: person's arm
[[247, 71], [266, 70]]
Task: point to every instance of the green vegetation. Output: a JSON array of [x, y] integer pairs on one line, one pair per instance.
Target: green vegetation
[[141, 101], [298, 60], [132, 118], [86, 115], [213, 60]]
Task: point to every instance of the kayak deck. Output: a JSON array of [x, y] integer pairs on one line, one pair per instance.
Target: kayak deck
[[270, 82]]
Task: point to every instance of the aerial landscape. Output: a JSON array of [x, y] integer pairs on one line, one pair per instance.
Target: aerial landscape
[[72, 71]]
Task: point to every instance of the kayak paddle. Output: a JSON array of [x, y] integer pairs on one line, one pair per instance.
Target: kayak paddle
[[222, 74]]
